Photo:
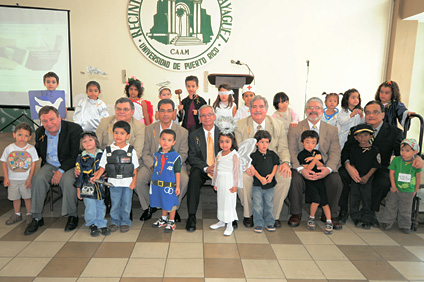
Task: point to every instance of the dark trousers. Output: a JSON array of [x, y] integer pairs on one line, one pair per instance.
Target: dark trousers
[[197, 178], [380, 187], [333, 186], [361, 193]]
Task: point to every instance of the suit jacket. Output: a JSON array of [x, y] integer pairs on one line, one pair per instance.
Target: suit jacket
[[197, 147], [387, 141], [329, 145], [68, 146], [105, 134], [274, 126], [151, 142], [198, 102]]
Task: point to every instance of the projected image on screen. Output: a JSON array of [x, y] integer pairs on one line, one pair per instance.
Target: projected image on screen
[[32, 42]]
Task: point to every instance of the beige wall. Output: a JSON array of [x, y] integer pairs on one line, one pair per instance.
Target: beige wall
[[345, 42]]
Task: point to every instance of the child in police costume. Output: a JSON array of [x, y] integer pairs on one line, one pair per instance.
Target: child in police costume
[[92, 194], [165, 184], [120, 163]]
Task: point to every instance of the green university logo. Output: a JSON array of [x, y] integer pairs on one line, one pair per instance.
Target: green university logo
[[180, 35]]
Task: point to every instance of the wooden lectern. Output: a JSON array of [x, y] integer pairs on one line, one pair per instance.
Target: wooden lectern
[[237, 81]]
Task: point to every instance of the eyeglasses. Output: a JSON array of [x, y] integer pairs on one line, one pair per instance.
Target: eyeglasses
[[367, 113], [207, 115], [314, 108], [122, 109], [165, 111]]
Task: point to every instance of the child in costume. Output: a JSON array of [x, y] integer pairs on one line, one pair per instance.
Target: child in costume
[[165, 93], [315, 189], [405, 181], [248, 94], [18, 168], [165, 184], [120, 163], [143, 109], [388, 93], [351, 114], [91, 193], [283, 112], [330, 112], [91, 109], [224, 104]]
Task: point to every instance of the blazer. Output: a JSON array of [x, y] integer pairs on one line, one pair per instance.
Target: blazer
[[197, 147], [387, 141], [329, 144], [68, 146], [105, 134], [151, 142], [274, 126]]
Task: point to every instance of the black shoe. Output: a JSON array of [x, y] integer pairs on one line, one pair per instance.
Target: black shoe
[[94, 232], [147, 214], [357, 223], [277, 223], [248, 221], [191, 223], [374, 223], [72, 223], [105, 231], [177, 217], [366, 225], [235, 224], [33, 226], [343, 216]]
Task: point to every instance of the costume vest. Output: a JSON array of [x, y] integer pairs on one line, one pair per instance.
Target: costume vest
[[119, 163]]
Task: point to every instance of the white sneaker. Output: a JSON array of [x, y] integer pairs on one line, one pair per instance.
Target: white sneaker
[[215, 226], [229, 230]]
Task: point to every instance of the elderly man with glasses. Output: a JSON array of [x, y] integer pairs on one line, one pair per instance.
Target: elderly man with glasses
[[329, 147]]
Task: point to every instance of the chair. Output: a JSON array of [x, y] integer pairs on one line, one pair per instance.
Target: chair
[[54, 189]]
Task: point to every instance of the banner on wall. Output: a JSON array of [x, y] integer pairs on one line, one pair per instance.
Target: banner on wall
[[180, 35], [41, 98]]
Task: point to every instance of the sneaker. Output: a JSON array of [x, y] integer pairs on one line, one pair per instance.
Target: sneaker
[[229, 230], [105, 231], [271, 228], [328, 228], [113, 227], [13, 219], [124, 228], [159, 223], [258, 229], [405, 230], [94, 232], [217, 225], [28, 218], [311, 223], [170, 226]]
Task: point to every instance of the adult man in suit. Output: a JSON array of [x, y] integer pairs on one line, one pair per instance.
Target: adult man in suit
[[57, 143], [246, 128], [387, 139], [329, 147], [166, 109], [202, 142]]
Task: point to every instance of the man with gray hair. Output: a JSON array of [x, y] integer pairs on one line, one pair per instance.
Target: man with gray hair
[[246, 128], [329, 147]]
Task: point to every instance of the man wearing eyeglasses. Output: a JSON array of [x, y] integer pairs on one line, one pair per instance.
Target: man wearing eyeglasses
[[329, 147], [387, 139], [166, 109]]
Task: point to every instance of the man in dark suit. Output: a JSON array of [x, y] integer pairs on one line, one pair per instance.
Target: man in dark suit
[[57, 143], [387, 139], [198, 159]]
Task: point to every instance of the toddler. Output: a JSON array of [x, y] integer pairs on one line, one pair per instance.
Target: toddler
[[284, 113], [350, 115], [165, 93], [330, 112], [248, 94]]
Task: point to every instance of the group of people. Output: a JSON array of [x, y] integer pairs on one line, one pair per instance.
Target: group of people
[[164, 161]]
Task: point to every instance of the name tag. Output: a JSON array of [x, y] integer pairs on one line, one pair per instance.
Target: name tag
[[403, 177]]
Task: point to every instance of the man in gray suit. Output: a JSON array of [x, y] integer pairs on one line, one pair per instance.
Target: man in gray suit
[[329, 147], [166, 109]]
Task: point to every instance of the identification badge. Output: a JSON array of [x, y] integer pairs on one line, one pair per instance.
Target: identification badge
[[403, 177]]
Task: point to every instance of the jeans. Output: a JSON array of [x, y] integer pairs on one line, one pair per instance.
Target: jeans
[[95, 211], [262, 206], [121, 205]]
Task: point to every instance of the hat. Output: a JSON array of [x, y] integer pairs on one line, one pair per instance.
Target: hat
[[249, 88], [411, 142], [363, 127]]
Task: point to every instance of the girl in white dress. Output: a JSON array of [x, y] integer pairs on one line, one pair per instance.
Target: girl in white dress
[[227, 178], [224, 104], [350, 115]]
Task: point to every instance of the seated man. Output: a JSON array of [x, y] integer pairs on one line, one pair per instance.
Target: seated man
[[329, 147], [57, 143], [166, 109], [246, 128]]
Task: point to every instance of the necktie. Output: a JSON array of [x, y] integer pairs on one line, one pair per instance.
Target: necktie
[[314, 128], [210, 152], [259, 127]]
